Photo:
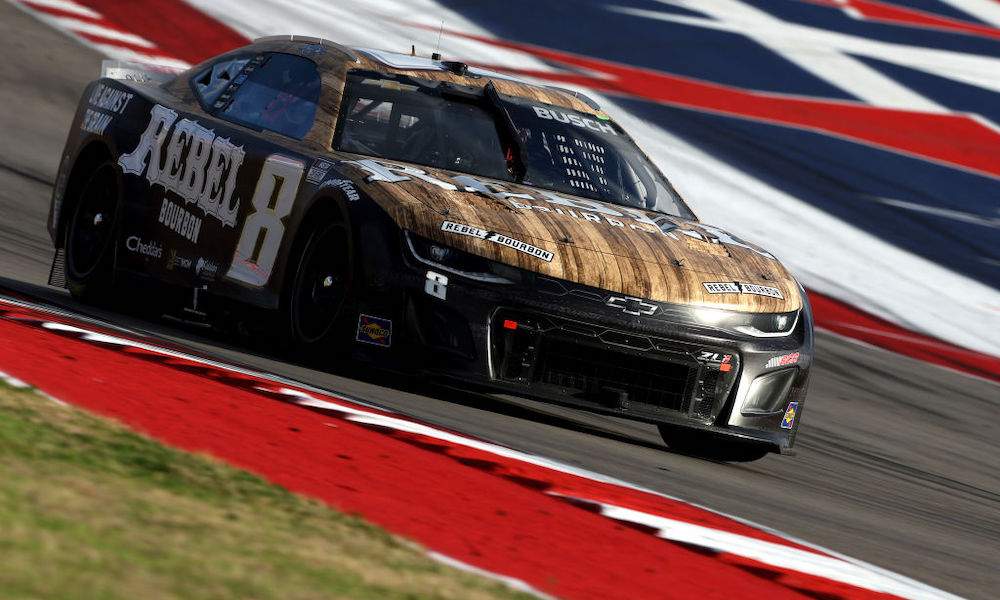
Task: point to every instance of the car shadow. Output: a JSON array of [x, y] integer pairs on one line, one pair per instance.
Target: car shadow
[[189, 337]]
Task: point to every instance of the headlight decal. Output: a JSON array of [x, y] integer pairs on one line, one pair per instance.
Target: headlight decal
[[456, 262]]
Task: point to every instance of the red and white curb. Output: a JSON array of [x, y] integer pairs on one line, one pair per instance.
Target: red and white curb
[[802, 566], [93, 29]]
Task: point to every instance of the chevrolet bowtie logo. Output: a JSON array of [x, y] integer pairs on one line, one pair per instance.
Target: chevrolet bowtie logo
[[631, 306]]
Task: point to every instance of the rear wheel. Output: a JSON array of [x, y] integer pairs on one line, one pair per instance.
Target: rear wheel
[[319, 289], [712, 447], [90, 236]]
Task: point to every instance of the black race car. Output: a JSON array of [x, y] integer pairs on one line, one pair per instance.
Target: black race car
[[432, 216]]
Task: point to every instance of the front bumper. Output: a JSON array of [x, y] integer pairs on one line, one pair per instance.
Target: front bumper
[[574, 345]]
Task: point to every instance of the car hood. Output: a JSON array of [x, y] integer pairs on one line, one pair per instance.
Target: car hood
[[627, 251]]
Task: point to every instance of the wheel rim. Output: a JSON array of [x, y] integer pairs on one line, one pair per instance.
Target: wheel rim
[[320, 284], [93, 224]]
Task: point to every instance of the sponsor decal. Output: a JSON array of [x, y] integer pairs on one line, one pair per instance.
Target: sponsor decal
[[198, 166], [631, 306], [179, 220], [722, 287], [206, 269], [497, 238], [735, 287], [312, 50], [789, 418], [105, 102], [577, 120], [553, 203], [761, 290], [178, 261], [723, 361], [782, 361], [345, 185], [373, 330], [318, 170], [151, 249], [110, 99], [394, 173], [94, 121]]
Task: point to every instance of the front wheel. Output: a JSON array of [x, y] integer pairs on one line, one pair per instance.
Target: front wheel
[[319, 288], [90, 235], [712, 447]]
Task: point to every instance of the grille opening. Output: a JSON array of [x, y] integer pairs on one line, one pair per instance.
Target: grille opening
[[591, 371]]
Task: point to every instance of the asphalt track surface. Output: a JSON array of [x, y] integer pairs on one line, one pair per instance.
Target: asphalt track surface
[[896, 460]]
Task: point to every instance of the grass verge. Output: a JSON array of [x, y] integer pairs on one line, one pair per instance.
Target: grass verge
[[91, 509]]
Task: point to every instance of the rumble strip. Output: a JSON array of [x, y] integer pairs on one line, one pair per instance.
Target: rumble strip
[[554, 527]]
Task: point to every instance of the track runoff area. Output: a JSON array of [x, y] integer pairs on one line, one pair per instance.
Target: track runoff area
[[548, 527]]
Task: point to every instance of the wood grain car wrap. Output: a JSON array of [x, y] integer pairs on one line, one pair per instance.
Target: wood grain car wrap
[[592, 243]]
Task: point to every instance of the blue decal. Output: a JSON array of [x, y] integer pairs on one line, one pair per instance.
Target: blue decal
[[789, 418], [373, 330]]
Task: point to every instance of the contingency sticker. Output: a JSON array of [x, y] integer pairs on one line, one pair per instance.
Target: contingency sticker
[[496, 238], [735, 287], [373, 330], [782, 361], [789, 418]]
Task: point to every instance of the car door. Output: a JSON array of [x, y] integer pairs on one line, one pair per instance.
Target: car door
[[217, 187]]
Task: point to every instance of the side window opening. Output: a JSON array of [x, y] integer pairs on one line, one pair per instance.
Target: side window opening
[[211, 82], [391, 119], [273, 92]]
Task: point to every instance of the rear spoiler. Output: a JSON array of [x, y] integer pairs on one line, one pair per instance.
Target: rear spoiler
[[138, 71]]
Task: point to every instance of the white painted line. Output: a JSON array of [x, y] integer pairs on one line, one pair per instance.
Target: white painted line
[[777, 555], [17, 383], [984, 10], [109, 33], [13, 381], [122, 53], [511, 582], [63, 5], [947, 213]]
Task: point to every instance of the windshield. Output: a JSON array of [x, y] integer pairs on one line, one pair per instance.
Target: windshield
[[479, 132]]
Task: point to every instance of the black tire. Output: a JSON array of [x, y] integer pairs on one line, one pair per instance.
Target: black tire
[[319, 288], [705, 445], [90, 236]]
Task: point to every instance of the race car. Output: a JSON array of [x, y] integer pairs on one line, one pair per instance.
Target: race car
[[428, 215]]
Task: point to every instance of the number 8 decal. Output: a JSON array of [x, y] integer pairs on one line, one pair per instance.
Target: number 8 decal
[[263, 230]]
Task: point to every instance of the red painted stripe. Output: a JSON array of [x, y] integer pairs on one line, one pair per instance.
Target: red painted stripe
[[176, 27], [957, 140], [898, 15], [842, 318], [459, 505], [110, 41], [55, 12]]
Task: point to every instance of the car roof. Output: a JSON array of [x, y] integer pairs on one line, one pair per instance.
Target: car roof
[[334, 61]]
